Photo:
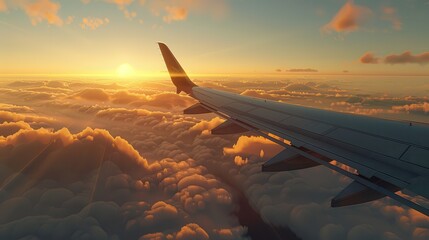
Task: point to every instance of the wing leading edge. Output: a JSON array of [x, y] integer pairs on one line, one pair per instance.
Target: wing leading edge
[[386, 156]]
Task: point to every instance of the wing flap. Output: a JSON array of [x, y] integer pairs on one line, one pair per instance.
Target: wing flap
[[197, 108], [228, 127], [357, 193], [287, 161]]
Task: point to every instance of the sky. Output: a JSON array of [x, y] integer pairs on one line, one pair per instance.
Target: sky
[[360, 37]]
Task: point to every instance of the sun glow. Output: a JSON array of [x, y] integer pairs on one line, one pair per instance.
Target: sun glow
[[125, 71]]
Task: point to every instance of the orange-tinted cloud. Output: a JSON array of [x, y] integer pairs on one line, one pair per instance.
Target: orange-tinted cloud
[[94, 94], [416, 107], [205, 126], [302, 70], [163, 99], [15, 108], [349, 18], [9, 128], [260, 94], [369, 58], [178, 10], [407, 57], [192, 231], [42, 10], [6, 116], [3, 6], [253, 146], [389, 14], [175, 14], [93, 23], [299, 87], [121, 3]]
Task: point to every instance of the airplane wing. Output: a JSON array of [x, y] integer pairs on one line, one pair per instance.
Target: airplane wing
[[386, 156]]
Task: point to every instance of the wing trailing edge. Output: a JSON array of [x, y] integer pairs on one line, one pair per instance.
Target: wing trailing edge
[[357, 193], [287, 161], [228, 127], [197, 108]]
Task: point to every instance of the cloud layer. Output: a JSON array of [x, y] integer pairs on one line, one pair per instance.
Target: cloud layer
[[144, 170]]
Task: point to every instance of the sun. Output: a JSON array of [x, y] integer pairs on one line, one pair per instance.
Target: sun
[[125, 70]]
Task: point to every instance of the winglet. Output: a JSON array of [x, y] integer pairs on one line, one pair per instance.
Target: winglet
[[177, 74]]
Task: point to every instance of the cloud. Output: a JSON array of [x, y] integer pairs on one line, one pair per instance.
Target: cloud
[[205, 126], [97, 217], [262, 94], [297, 70], [299, 87], [192, 231], [369, 58], [404, 58], [121, 3], [186, 172], [190, 194], [157, 99], [42, 10], [15, 108], [65, 138], [165, 100], [239, 161], [251, 147], [175, 14], [9, 128], [363, 231], [415, 107], [349, 18], [407, 57], [92, 23], [35, 120], [179, 10], [3, 6], [389, 14], [357, 107], [93, 94]]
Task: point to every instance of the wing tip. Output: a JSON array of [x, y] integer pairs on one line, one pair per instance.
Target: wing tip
[[178, 75]]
